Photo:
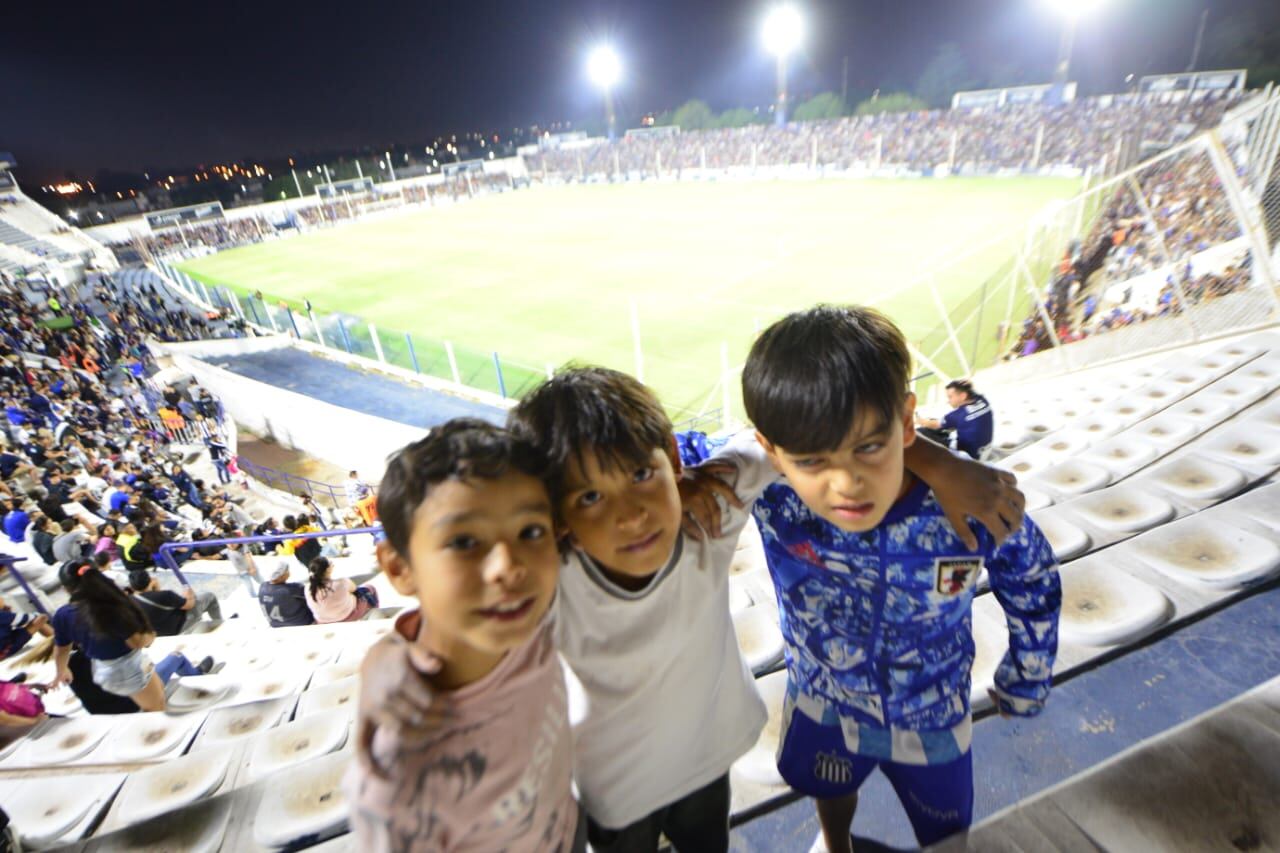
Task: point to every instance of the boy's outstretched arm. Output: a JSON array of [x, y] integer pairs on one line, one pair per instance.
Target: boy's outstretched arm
[[968, 489], [394, 695], [1024, 579]]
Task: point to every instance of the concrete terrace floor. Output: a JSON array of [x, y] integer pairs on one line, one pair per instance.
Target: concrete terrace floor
[[369, 393]]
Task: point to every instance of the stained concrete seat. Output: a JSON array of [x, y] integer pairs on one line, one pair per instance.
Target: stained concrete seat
[[172, 785], [53, 810], [302, 802], [1073, 477], [1068, 540], [1195, 478], [271, 684], [1199, 551], [1162, 393], [1098, 426], [237, 722], [152, 736], [1027, 462], [299, 741], [1123, 509], [759, 637], [1202, 410], [338, 695], [1129, 410], [60, 741], [759, 764], [1121, 455], [1103, 606], [1250, 446], [1064, 444]]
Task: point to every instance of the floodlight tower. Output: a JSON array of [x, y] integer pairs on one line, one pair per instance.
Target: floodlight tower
[[782, 34], [1071, 11], [605, 69]]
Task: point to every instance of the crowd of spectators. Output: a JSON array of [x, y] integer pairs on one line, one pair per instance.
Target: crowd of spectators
[[1080, 134]]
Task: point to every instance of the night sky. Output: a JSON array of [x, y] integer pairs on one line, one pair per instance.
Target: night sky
[[128, 86]]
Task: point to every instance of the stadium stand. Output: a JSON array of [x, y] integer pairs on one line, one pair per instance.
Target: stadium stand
[[1154, 477]]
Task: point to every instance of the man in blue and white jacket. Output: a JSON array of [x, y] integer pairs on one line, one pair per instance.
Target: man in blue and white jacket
[[874, 586]]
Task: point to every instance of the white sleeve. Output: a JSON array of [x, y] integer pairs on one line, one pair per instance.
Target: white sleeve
[[755, 472]]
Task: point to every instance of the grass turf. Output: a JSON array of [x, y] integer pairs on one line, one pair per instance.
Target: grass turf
[[547, 276]]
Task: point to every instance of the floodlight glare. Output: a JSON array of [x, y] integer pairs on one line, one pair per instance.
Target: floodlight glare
[[783, 29], [1075, 9], [604, 67]]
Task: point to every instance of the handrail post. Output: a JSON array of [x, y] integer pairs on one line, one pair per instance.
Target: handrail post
[[32, 596]]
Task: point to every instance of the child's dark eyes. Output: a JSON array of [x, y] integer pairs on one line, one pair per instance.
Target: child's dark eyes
[[873, 447], [643, 475], [534, 532], [808, 463], [461, 542], [587, 499]]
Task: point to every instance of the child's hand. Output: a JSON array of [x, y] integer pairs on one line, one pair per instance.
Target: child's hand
[[987, 495], [395, 695], [698, 489]]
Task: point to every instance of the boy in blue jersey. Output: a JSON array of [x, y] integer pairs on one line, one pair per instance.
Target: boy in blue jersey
[[874, 586]]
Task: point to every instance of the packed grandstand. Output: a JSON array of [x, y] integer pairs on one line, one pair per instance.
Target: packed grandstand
[[121, 459]]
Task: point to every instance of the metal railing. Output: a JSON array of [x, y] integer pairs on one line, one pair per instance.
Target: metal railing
[[164, 554], [10, 563], [293, 483]]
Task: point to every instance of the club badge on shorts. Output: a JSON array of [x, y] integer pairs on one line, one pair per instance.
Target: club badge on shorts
[[953, 575]]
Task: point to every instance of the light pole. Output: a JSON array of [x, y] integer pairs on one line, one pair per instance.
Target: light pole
[[1071, 11], [605, 69], [783, 31]]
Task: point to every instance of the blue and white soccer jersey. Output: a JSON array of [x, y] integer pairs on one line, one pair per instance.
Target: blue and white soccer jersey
[[973, 424]]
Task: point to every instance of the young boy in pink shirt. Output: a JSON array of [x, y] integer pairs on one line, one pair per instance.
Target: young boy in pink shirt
[[469, 532]]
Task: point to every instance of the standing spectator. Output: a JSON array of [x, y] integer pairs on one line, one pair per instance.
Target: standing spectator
[[242, 561], [284, 603], [220, 456], [169, 612], [337, 600], [356, 488]]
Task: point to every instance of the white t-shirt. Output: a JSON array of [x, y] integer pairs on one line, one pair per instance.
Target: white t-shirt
[[670, 703]]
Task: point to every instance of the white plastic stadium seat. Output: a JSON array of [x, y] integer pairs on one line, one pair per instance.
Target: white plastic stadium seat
[[759, 637], [1103, 606], [1067, 539], [1123, 509], [152, 736], [156, 790], [1194, 478], [1166, 431], [197, 692], [1202, 410], [1121, 455], [1074, 477], [239, 722], [57, 809], [1199, 551], [1250, 446], [60, 741], [759, 764], [301, 740], [303, 801], [338, 695], [197, 828]]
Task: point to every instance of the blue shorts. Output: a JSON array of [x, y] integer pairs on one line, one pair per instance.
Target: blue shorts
[[938, 798]]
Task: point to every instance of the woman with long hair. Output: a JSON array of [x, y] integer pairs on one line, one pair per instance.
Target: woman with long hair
[[112, 630], [336, 600]]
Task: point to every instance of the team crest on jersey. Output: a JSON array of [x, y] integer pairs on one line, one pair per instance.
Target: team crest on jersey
[[953, 575], [805, 551], [833, 769]]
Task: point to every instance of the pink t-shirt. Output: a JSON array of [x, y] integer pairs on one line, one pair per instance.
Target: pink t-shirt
[[495, 777], [334, 605]]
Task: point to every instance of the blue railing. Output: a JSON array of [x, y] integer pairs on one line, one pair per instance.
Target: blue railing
[[292, 483], [10, 563], [164, 554]]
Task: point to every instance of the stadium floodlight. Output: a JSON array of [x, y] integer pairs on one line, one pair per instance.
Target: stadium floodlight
[[783, 31], [1075, 9], [604, 68]]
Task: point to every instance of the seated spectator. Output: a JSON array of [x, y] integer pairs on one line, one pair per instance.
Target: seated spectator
[[337, 600], [970, 419], [17, 629], [107, 541], [42, 538], [72, 543], [170, 613], [16, 521], [285, 604]]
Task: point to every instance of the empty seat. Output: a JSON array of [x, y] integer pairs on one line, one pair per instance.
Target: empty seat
[[304, 801], [197, 828], [1121, 455], [1194, 478], [1123, 509], [1104, 606], [1074, 477], [1165, 430], [759, 637], [1238, 392], [196, 692], [153, 736], [1199, 551], [174, 784], [1247, 445], [1068, 540], [759, 764], [60, 741], [57, 809], [341, 694], [238, 722], [303, 739], [1202, 410]]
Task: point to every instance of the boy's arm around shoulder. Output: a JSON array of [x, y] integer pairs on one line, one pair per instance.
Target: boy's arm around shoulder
[[1024, 578], [396, 696], [737, 471]]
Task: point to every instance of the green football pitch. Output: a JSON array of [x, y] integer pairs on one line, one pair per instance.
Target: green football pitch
[[551, 275]]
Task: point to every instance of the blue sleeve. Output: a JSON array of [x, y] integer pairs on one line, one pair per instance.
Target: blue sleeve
[[696, 447], [1024, 578], [952, 419], [64, 626]]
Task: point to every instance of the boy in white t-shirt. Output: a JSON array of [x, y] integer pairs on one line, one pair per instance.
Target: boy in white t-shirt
[[643, 619]]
